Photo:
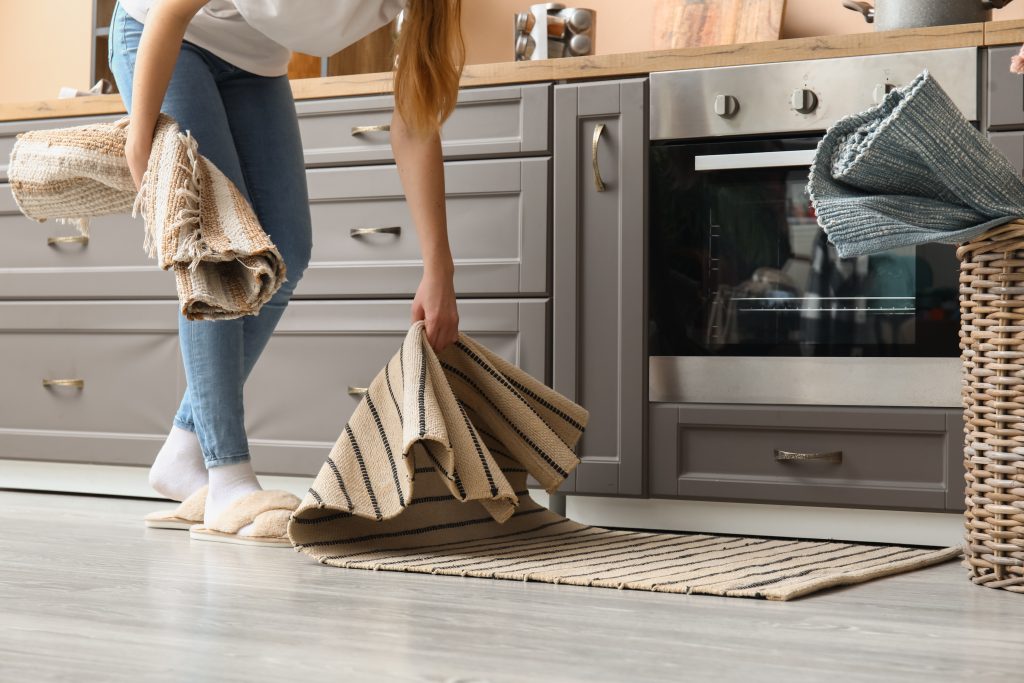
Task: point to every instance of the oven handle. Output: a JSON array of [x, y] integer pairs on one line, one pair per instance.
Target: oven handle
[[724, 162]]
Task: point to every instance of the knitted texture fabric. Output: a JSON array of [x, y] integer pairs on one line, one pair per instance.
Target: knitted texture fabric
[[909, 171], [197, 223]]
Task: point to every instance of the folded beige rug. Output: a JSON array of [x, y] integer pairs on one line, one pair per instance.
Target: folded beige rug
[[197, 223], [430, 475]]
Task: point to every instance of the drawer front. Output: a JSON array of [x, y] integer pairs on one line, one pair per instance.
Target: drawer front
[[124, 354], [1005, 89], [1011, 145], [299, 390], [497, 227], [887, 458], [110, 264], [486, 121], [10, 130]]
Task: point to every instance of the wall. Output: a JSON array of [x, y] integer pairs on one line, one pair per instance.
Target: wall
[[627, 26], [38, 54], [44, 44]]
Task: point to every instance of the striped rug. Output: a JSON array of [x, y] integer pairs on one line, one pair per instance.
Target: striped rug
[[429, 476]]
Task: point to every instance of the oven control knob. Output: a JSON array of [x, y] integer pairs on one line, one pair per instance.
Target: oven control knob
[[881, 90], [804, 101], [726, 106]]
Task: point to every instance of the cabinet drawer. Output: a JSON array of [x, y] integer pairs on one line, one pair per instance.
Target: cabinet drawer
[[298, 391], [1011, 145], [125, 355], [486, 121], [111, 264], [1005, 89], [888, 458], [497, 227]]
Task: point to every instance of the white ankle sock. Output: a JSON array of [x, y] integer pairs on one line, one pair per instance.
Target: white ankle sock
[[228, 483], [178, 470]]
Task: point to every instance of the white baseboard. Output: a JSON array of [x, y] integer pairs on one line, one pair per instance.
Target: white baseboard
[[109, 480], [880, 526]]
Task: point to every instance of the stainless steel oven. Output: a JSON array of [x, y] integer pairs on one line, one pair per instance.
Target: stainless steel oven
[[748, 302]]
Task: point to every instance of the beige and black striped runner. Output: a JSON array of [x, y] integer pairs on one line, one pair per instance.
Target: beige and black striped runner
[[429, 476]]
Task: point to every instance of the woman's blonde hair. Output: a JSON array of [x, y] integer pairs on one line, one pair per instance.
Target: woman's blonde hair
[[431, 55]]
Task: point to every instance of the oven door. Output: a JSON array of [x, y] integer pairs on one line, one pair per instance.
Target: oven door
[[750, 303]]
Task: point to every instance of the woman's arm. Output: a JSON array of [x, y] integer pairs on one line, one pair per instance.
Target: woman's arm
[[158, 52], [421, 171]]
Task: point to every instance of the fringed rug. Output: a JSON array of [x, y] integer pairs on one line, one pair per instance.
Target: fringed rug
[[429, 476]]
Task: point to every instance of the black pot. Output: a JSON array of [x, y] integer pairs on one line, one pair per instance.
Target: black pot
[[887, 15]]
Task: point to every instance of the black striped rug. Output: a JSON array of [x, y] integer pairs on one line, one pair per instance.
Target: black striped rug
[[441, 535], [429, 475]]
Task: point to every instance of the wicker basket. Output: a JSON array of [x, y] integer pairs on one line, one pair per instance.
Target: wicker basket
[[992, 346]]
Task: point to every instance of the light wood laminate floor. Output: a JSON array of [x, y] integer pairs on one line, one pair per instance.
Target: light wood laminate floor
[[88, 594]]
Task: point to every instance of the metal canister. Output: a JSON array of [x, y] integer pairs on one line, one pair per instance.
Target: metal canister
[[551, 30]]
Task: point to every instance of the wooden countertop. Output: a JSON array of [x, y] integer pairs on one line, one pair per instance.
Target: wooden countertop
[[605, 66]]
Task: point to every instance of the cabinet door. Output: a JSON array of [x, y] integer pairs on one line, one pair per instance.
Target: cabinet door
[[1012, 147], [599, 354], [1005, 89]]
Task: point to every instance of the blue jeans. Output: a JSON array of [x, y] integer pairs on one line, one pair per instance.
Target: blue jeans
[[247, 126]]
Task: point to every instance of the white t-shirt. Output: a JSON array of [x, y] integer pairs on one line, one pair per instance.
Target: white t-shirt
[[259, 35]]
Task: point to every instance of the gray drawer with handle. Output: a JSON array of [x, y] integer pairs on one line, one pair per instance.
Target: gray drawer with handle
[[899, 458], [323, 353], [365, 243], [10, 129], [88, 381], [486, 122], [51, 260]]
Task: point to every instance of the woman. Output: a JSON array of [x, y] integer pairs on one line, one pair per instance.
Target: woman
[[219, 68]]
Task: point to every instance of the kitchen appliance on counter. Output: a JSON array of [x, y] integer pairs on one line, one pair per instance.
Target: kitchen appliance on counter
[[887, 15], [749, 303], [551, 30]]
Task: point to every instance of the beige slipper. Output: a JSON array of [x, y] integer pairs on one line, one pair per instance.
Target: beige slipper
[[189, 513], [267, 511]]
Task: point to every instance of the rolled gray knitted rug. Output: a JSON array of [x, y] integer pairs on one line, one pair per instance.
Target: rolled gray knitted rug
[[909, 171]]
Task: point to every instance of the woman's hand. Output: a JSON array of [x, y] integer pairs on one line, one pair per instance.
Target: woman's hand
[[136, 150], [434, 303]]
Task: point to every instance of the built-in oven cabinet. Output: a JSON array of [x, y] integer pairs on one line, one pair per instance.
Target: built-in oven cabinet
[[892, 458], [598, 348]]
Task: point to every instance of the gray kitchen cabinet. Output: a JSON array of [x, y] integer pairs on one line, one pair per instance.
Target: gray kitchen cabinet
[[1011, 145], [598, 319], [51, 260], [497, 228], [893, 458], [1005, 98], [114, 379], [120, 376], [503, 121], [305, 386]]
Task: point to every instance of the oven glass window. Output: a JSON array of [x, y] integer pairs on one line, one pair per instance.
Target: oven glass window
[[739, 265]]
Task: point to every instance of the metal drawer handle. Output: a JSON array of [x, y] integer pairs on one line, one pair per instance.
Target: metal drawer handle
[[835, 457], [598, 181], [379, 128], [358, 391], [391, 230], [76, 383], [68, 239]]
